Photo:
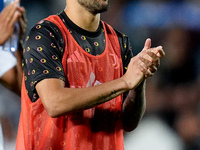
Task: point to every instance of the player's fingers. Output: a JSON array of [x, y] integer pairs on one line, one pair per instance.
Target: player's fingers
[[159, 51], [146, 61], [142, 69], [149, 73], [152, 69], [156, 63], [153, 56], [146, 72], [148, 65], [147, 44]]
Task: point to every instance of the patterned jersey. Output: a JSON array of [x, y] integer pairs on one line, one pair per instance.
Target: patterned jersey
[[42, 59], [98, 128]]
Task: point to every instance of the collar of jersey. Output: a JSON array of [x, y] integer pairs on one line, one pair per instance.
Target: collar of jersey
[[73, 26]]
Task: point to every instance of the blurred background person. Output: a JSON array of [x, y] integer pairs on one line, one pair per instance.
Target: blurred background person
[[10, 72]]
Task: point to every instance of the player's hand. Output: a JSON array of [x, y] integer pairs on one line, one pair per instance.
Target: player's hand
[[150, 59], [143, 65], [8, 17]]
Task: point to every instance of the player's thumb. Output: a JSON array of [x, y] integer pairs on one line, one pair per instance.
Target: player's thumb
[[147, 44]]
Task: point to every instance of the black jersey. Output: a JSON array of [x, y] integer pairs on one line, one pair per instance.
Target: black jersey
[[52, 50]]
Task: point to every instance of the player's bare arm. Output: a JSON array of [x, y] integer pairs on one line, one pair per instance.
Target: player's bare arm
[[59, 100], [134, 105]]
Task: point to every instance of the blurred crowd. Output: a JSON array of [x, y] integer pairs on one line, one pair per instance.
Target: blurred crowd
[[173, 94], [172, 118]]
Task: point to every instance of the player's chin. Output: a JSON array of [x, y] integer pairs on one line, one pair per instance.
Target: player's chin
[[104, 3], [96, 11]]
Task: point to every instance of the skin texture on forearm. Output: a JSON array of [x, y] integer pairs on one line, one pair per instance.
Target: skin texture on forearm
[[59, 100], [133, 107]]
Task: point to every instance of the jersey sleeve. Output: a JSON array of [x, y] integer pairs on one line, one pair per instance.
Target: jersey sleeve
[[126, 49], [43, 51]]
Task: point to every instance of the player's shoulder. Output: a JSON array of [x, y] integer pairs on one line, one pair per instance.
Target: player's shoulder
[[44, 26], [123, 39], [121, 35]]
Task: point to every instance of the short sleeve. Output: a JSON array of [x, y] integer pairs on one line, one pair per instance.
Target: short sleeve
[[43, 51], [126, 49]]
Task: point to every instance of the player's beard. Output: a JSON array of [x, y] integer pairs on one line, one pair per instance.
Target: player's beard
[[95, 6]]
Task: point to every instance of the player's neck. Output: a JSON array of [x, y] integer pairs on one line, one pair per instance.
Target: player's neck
[[82, 18]]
